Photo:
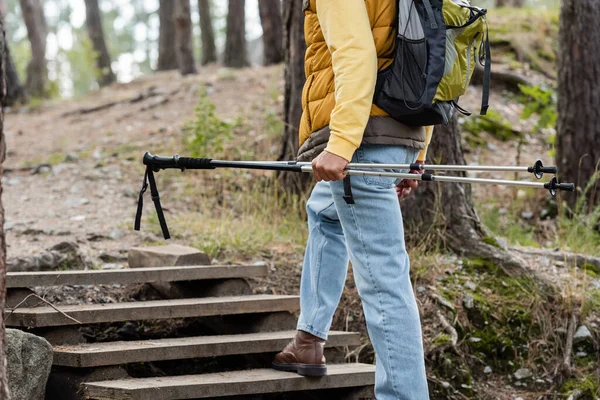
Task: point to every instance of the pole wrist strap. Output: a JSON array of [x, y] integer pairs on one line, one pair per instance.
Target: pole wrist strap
[[149, 179], [348, 197]]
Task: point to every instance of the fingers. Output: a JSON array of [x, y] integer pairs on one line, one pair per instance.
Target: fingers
[[328, 167], [412, 184], [316, 171]]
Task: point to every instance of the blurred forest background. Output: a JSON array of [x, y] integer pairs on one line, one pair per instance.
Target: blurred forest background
[[508, 280]]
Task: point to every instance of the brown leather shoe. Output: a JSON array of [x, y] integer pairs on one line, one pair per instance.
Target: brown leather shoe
[[303, 355]]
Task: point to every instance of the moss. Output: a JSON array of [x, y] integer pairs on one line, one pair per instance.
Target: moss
[[591, 303], [591, 268], [442, 339], [492, 123], [586, 384], [491, 241], [453, 368], [503, 316]]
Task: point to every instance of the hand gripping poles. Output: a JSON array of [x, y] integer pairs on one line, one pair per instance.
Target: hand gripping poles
[[156, 163]]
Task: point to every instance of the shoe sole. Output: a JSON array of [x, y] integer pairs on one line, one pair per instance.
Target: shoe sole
[[302, 369]]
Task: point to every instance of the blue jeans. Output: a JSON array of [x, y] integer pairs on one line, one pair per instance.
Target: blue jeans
[[370, 234]]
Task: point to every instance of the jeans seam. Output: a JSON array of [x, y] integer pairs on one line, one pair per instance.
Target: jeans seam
[[310, 329], [313, 315], [385, 333]]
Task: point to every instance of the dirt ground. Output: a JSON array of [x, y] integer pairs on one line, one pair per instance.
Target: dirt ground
[[73, 169]]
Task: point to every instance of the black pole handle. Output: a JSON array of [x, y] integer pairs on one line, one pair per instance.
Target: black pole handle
[[176, 162], [539, 170], [553, 186]]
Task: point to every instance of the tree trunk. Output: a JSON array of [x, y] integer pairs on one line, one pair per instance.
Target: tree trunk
[[209, 49], [184, 39], [37, 30], [578, 137], [445, 211], [3, 369], [167, 59], [295, 47], [93, 22], [15, 91], [235, 46], [270, 18]]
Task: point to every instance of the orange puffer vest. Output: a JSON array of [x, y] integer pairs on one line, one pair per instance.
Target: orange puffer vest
[[318, 97]]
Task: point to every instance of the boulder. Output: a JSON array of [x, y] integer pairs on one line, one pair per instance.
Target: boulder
[[29, 363]]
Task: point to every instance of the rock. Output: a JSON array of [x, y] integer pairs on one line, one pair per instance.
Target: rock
[[470, 285], [583, 334], [66, 255], [581, 354], [42, 169], [116, 234], [468, 301], [487, 370], [109, 257], [29, 363], [162, 256], [14, 182], [112, 266], [167, 256], [475, 340], [76, 202], [421, 289], [445, 385], [71, 157], [527, 215], [78, 218], [523, 373]]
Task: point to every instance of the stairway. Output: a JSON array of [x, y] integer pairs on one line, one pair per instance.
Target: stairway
[[231, 364]]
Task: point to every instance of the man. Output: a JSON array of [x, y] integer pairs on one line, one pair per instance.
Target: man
[[349, 41]]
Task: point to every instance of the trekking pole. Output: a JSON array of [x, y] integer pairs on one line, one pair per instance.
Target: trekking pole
[[538, 168], [156, 163]]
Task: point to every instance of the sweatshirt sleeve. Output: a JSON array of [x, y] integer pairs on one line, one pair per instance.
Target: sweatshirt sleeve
[[428, 134], [347, 31]]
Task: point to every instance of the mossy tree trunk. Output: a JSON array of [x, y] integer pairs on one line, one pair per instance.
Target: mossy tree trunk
[[184, 39], [578, 136], [167, 59], [37, 31], [3, 368], [295, 47], [209, 49], [236, 55], [445, 211], [270, 18], [93, 22]]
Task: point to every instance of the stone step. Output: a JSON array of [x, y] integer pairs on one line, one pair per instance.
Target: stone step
[[40, 317], [133, 275], [116, 353], [234, 383]]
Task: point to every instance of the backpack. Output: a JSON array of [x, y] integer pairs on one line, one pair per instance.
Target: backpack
[[438, 45]]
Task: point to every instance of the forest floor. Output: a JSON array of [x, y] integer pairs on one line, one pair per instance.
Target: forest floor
[[73, 172]]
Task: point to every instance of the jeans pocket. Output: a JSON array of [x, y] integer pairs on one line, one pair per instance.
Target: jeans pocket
[[381, 154]]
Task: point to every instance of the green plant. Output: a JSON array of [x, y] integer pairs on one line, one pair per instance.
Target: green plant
[[207, 133], [578, 228], [493, 123], [542, 102]]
